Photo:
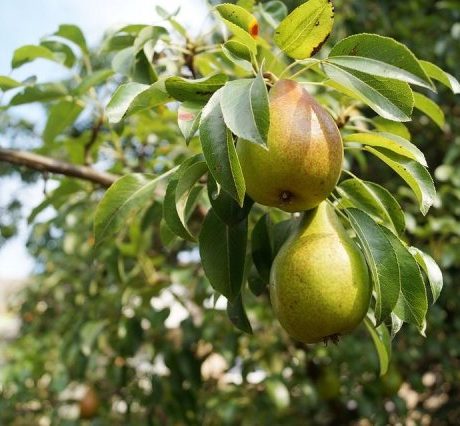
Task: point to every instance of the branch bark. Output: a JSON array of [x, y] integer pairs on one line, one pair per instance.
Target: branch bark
[[46, 164]]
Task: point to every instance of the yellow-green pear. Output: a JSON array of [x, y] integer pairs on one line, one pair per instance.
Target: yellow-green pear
[[319, 285], [301, 164]]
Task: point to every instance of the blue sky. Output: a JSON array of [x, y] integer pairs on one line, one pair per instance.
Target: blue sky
[[25, 22]]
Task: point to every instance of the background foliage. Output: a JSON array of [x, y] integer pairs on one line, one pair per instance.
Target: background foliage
[[105, 320]]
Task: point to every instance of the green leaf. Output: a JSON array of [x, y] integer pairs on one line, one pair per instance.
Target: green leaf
[[239, 54], [260, 106], [302, 33], [256, 284], [30, 52], [238, 49], [39, 93], [117, 42], [177, 194], [414, 174], [382, 343], [188, 118], [92, 80], [123, 61], [73, 34], [262, 247], [241, 23], [386, 50], [389, 141], [432, 271], [148, 34], [178, 27], [377, 68], [429, 108], [246, 4], [126, 196], [443, 77], [121, 100], [133, 29], [131, 98], [7, 83], [142, 69], [199, 90], [167, 237], [61, 115], [219, 149], [245, 109], [375, 200], [389, 98], [163, 13], [237, 315], [223, 254], [244, 68], [62, 51], [228, 210], [382, 262], [395, 127], [412, 304], [239, 16]]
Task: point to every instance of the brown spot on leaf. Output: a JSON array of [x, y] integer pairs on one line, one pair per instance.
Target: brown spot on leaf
[[254, 28], [320, 45]]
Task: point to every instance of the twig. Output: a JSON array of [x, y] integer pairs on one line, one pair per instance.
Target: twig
[[94, 134], [45, 164]]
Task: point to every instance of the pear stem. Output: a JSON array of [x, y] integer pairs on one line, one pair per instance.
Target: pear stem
[[272, 78]]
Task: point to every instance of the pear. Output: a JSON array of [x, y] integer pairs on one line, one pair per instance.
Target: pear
[[304, 158], [319, 283], [89, 404]]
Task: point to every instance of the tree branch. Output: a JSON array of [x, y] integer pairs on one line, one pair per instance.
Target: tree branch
[[45, 164]]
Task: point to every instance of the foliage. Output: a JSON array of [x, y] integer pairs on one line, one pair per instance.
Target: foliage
[[105, 298]]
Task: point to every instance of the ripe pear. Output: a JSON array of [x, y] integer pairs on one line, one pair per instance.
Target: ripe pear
[[319, 284], [89, 404], [301, 164]]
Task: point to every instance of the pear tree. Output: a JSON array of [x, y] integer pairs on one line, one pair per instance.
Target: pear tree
[[274, 120], [369, 84]]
